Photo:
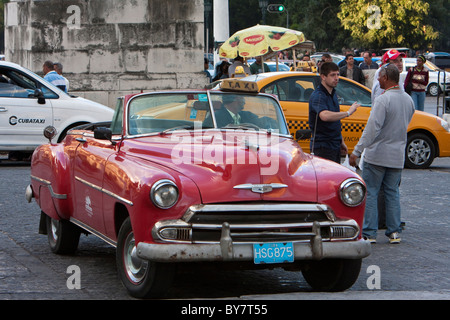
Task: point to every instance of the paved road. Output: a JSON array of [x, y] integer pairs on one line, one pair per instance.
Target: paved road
[[417, 268]]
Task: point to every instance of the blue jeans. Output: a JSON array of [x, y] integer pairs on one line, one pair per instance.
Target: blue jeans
[[376, 176], [419, 99]]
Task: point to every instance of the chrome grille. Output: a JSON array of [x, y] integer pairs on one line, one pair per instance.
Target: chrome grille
[[255, 223]]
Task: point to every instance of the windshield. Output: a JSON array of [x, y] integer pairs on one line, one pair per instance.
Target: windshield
[[431, 66], [167, 112]]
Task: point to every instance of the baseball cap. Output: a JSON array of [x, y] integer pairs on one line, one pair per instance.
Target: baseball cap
[[392, 55]]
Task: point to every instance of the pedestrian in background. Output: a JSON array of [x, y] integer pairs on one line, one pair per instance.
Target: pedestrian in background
[[325, 116], [206, 67], [417, 79], [222, 71], [59, 70], [352, 71], [258, 66], [394, 57], [368, 64], [238, 62], [368, 68], [384, 141], [51, 76]]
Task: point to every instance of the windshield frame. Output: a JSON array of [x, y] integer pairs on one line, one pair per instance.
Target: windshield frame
[[283, 131]]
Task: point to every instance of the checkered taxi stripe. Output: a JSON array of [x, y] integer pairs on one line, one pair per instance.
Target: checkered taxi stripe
[[295, 125]]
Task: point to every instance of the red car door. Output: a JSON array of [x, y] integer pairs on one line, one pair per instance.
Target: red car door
[[89, 166]]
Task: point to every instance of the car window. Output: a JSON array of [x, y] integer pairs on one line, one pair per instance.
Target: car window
[[442, 62], [349, 92], [117, 120], [292, 88], [14, 84], [256, 111]]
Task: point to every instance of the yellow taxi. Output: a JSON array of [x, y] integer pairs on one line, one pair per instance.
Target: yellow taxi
[[428, 135]]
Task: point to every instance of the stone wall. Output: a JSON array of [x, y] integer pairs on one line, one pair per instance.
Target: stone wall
[[110, 47]]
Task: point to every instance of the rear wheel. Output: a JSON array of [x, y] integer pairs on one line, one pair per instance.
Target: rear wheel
[[63, 236], [332, 274], [142, 278]]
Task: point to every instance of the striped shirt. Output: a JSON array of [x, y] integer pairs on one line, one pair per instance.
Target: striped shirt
[[56, 80]]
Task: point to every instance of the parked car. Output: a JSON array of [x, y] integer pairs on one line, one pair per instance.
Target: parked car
[[440, 59], [318, 56], [273, 66], [172, 179], [433, 71], [28, 104], [428, 135]]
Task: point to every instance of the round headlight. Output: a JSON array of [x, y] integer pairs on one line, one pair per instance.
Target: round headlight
[[164, 194], [352, 192]]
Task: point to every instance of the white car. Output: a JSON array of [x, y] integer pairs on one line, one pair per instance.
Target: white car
[[281, 66], [433, 71], [28, 104]]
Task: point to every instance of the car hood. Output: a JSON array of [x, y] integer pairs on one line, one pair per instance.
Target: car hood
[[230, 166]]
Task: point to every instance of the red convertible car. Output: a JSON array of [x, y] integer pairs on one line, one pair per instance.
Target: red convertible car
[[200, 175]]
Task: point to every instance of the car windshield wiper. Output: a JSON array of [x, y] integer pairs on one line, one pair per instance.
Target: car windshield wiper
[[183, 127], [243, 126]]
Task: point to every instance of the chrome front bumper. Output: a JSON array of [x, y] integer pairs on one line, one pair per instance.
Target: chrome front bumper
[[226, 250]]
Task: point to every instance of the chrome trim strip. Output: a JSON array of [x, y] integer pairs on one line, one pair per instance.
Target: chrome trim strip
[[94, 232], [258, 207], [109, 193], [48, 184], [256, 229]]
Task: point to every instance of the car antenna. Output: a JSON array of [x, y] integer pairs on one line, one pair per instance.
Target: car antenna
[[314, 136]]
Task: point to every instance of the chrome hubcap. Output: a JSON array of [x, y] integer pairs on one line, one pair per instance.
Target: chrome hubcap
[[135, 267], [54, 229]]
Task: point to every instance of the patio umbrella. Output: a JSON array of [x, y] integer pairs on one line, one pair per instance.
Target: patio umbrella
[[258, 40]]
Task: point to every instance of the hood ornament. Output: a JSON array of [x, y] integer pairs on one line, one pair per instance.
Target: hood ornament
[[261, 188]]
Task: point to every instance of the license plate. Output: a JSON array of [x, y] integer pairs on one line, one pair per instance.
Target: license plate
[[276, 252], [4, 155]]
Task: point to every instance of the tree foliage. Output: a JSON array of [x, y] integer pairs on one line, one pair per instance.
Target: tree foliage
[[385, 23], [335, 24]]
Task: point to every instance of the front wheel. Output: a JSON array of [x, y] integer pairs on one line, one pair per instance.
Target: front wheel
[[420, 151], [433, 89], [63, 236], [142, 278], [332, 274]]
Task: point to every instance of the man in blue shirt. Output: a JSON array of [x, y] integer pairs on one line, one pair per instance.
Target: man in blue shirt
[[53, 77], [325, 116]]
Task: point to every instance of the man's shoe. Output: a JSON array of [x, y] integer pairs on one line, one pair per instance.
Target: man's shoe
[[394, 238], [371, 240]]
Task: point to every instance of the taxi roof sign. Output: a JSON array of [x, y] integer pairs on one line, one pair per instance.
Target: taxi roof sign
[[239, 85]]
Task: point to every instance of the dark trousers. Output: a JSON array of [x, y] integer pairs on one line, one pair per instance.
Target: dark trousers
[[330, 154]]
